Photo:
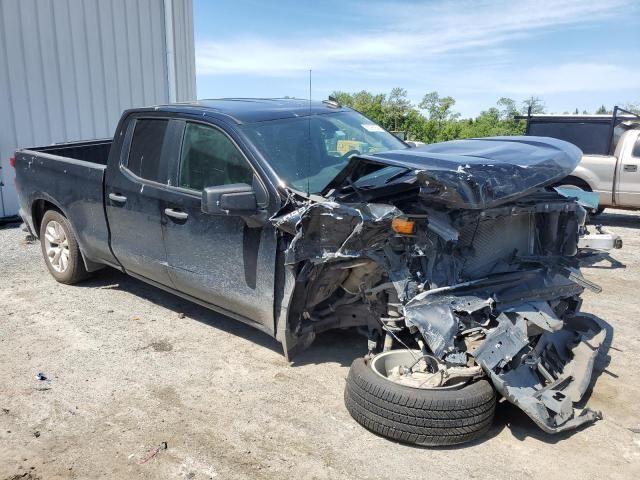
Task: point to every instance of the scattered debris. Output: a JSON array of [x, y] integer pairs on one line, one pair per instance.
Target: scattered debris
[[135, 317], [634, 429], [41, 376], [28, 240], [181, 315], [36, 434], [24, 476], [152, 453]]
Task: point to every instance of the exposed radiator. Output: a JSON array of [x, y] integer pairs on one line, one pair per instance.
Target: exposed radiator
[[493, 243]]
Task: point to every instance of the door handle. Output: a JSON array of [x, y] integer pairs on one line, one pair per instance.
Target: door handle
[[630, 168], [177, 214], [117, 198]]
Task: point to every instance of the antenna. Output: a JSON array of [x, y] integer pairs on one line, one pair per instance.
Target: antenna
[[310, 143], [309, 90]]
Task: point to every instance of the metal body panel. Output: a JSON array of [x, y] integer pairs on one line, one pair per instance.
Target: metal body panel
[[598, 172], [69, 68], [223, 260], [75, 187], [133, 207], [628, 172], [136, 234]]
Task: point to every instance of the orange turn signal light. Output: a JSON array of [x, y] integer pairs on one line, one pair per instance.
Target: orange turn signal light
[[403, 226]]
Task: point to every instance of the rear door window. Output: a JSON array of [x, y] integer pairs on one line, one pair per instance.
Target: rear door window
[[146, 149], [209, 158]]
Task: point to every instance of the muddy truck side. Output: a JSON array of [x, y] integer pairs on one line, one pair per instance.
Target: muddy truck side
[[458, 262]]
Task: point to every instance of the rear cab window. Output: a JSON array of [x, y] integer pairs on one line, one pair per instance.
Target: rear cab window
[[145, 151]]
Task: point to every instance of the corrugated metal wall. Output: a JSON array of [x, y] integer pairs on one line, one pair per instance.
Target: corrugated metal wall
[[69, 67]]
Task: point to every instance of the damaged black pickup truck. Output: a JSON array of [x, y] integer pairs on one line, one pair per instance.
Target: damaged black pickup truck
[[457, 261]]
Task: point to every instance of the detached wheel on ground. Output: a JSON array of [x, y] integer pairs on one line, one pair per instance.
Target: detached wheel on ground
[[428, 417], [60, 249]]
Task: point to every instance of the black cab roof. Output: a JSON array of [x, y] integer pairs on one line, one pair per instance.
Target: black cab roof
[[250, 110]]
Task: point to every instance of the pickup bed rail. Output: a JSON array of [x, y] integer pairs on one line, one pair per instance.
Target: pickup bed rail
[[62, 176]]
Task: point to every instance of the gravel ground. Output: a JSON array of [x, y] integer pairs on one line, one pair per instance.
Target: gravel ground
[[129, 367]]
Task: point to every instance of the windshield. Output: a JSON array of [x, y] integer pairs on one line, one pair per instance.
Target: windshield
[[308, 152]]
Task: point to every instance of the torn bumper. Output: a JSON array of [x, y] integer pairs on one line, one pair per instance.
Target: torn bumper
[[538, 358], [547, 381]]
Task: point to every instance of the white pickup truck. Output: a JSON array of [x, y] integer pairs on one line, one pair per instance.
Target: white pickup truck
[[611, 147]]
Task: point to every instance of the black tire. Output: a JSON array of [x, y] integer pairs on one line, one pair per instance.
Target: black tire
[[75, 270], [418, 416]]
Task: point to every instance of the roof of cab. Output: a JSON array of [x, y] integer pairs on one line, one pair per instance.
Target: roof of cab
[[250, 110]]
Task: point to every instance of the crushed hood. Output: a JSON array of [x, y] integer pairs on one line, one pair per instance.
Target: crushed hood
[[475, 173]]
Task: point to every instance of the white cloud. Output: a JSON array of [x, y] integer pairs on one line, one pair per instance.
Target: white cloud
[[410, 38], [572, 77]]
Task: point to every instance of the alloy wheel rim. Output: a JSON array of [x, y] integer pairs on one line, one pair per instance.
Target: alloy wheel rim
[[56, 245]]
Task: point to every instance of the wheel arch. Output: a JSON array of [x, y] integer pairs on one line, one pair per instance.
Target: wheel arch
[[575, 180], [40, 206]]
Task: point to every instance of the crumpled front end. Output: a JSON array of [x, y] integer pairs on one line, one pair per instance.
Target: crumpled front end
[[491, 292]]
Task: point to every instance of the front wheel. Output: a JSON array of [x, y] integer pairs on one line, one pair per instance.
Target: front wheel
[[421, 416], [60, 249]]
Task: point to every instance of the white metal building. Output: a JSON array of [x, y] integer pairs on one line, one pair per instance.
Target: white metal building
[[69, 67]]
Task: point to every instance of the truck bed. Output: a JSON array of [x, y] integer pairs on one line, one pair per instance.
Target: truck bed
[[69, 176], [95, 151]]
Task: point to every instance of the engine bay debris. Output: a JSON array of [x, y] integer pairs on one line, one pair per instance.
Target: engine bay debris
[[461, 252]]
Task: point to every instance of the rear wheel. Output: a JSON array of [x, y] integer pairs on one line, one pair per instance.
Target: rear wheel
[[450, 415], [60, 249]]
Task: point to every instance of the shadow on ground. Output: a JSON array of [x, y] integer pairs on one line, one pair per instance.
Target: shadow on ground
[[340, 346], [616, 220], [111, 278]]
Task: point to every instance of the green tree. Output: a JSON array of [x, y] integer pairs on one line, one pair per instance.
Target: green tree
[[396, 107], [436, 120], [343, 98], [536, 104], [439, 108], [602, 110], [508, 108], [369, 104]]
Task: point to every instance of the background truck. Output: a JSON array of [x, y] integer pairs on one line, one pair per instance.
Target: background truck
[[610, 164]]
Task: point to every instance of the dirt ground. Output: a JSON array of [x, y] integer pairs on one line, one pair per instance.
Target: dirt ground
[[129, 367]]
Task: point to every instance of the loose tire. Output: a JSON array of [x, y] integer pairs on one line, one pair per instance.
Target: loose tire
[[427, 417], [60, 249]]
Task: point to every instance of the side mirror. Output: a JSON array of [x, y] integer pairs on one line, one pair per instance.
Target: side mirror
[[234, 199]]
